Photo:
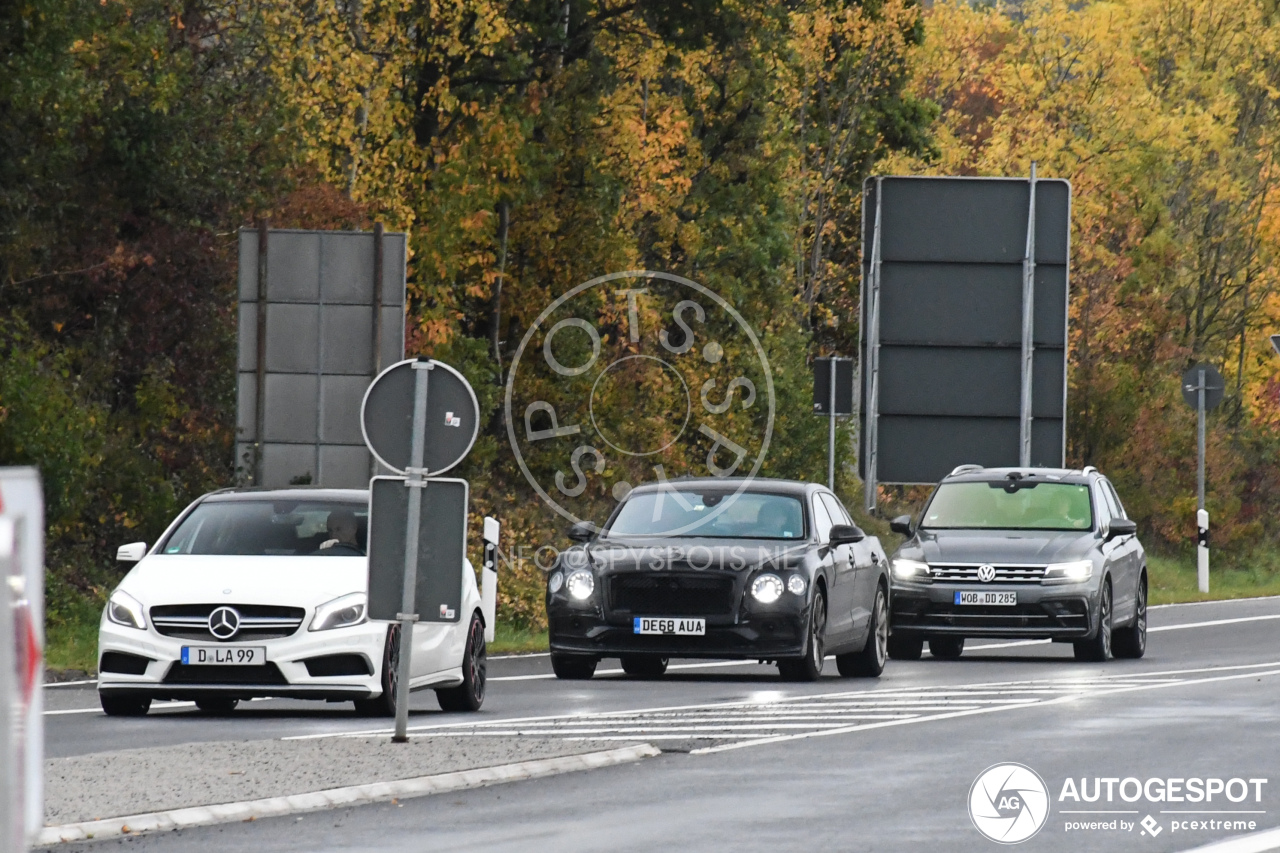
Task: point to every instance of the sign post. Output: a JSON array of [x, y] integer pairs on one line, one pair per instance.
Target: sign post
[[489, 577], [11, 835], [832, 396], [419, 418], [1202, 389]]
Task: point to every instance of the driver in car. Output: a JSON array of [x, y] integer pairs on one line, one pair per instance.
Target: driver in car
[[342, 529]]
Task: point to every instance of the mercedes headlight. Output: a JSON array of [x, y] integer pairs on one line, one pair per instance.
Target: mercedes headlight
[[1074, 572], [341, 612], [910, 570], [580, 584], [767, 589], [124, 609]]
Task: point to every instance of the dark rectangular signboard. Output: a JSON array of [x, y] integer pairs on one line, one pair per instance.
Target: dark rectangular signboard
[[442, 548], [954, 270], [843, 387]]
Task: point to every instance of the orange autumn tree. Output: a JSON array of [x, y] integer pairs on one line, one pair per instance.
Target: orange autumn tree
[[1163, 115]]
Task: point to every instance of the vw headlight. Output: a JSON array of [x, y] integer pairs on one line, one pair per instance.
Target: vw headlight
[[556, 581], [1073, 572], [910, 570], [124, 609], [767, 589], [580, 584], [341, 612], [796, 584]]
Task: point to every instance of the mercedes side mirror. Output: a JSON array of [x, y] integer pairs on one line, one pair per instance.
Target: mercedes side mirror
[[131, 553], [583, 531], [846, 534], [1122, 527], [901, 524]]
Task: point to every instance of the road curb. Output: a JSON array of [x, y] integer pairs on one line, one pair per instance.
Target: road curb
[[349, 796]]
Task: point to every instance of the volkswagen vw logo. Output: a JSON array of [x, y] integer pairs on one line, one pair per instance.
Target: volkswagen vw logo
[[986, 574], [224, 623]]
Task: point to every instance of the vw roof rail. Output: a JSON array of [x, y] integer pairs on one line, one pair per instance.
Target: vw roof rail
[[964, 469]]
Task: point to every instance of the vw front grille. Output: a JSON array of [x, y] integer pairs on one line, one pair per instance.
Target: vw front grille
[[968, 573]]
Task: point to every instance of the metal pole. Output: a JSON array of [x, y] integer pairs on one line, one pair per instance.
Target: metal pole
[[831, 429], [870, 483], [260, 404], [1028, 328], [416, 482], [377, 317], [1202, 515]]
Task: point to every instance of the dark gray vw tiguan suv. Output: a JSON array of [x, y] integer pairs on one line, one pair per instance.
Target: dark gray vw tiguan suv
[[1027, 553]]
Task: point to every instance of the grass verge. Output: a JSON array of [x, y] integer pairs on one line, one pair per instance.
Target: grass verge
[[508, 639], [1173, 578]]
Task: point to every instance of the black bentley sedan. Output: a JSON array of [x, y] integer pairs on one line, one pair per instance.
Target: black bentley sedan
[[1040, 553], [721, 568]]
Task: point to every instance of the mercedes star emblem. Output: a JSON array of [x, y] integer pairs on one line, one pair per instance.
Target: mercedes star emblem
[[986, 574], [224, 623]]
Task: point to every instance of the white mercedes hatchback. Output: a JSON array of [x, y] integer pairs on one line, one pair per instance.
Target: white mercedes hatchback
[[254, 593]]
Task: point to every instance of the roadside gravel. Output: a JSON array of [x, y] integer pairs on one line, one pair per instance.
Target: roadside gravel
[[135, 781]]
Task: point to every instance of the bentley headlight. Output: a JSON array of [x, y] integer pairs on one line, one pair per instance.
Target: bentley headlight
[[910, 570], [556, 581], [580, 584], [1073, 572], [124, 609], [341, 612], [796, 584], [767, 589]]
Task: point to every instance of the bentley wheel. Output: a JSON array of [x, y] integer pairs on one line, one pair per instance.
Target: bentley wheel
[[869, 662], [573, 667], [469, 695], [385, 705], [809, 667], [1131, 641], [644, 666], [1099, 648]]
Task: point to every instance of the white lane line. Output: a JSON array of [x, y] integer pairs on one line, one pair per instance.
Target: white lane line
[[1212, 622], [520, 656], [544, 676], [1034, 704], [71, 683], [162, 706], [1217, 601]]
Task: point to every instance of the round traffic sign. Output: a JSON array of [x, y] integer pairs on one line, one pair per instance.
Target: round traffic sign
[[1213, 386], [452, 421]]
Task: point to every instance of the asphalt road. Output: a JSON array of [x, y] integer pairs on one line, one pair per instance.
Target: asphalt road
[[844, 764]]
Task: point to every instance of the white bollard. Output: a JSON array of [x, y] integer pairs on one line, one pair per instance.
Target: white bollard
[[489, 578], [1202, 549]]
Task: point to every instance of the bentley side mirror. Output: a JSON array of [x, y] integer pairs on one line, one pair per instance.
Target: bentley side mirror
[[131, 553], [583, 531], [1122, 527], [846, 534], [901, 524]]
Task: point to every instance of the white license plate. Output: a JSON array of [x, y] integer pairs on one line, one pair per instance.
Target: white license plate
[[997, 598], [666, 625], [224, 655]]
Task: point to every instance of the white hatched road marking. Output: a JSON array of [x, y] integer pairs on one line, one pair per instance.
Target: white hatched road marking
[[735, 724]]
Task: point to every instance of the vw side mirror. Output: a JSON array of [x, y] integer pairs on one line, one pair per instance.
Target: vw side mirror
[[583, 531], [901, 524], [846, 534], [1122, 527], [131, 553]]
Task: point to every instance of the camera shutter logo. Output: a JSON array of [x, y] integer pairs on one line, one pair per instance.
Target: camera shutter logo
[[1008, 803], [987, 573], [224, 623]]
